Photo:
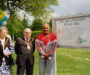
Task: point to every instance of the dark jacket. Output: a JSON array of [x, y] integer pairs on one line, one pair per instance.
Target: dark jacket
[[22, 52], [10, 47]]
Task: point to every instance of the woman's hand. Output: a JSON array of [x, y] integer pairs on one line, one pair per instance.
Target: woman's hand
[[7, 53]]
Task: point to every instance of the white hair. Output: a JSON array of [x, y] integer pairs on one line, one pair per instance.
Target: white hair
[[3, 28], [27, 29]]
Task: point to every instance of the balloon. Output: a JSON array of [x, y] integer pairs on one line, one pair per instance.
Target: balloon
[[4, 23], [4, 19], [3, 13], [1, 17], [1, 23]]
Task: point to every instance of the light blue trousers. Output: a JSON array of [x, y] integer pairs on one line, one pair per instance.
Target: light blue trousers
[[46, 65]]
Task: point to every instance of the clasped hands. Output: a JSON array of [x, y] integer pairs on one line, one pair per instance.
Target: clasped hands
[[46, 56]]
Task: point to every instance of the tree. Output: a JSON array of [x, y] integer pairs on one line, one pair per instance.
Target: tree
[[15, 26], [36, 25], [25, 23], [37, 8], [50, 22]]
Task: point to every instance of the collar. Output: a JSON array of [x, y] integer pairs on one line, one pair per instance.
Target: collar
[[2, 41], [46, 34], [26, 38]]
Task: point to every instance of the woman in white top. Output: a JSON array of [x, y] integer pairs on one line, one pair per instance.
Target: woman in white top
[[6, 49]]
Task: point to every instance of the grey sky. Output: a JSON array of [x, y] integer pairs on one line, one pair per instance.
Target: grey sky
[[71, 7]]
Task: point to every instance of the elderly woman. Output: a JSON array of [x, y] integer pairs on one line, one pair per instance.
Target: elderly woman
[[6, 49]]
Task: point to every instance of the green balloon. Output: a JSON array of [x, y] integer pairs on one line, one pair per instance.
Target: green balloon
[[1, 18], [1, 11]]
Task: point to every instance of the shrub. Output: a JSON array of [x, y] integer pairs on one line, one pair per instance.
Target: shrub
[[35, 33]]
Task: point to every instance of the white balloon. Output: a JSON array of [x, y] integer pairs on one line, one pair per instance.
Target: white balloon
[[4, 23]]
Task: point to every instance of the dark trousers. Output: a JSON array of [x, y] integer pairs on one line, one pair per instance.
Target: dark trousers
[[27, 66]]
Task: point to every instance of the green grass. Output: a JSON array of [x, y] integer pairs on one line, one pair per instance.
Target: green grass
[[73, 61], [69, 62]]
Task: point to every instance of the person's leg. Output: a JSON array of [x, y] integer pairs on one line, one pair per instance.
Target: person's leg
[[20, 69], [50, 64], [11, 71], [29, 68], [42, 66]]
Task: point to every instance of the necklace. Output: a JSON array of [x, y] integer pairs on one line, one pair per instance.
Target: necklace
[[28, 44], [3, 43], [28, 47]]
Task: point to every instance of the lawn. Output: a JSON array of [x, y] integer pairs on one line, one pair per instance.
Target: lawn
[[69, 62]]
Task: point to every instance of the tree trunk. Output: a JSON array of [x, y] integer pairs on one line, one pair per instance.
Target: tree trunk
[[1, 4], [11, 14], [13, 37]]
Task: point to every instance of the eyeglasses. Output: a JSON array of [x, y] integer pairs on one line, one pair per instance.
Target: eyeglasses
[[27, 32]]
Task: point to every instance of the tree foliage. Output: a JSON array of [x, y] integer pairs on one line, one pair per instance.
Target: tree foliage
[[25, 23], [38, 8], [36, 25], [15, 26]]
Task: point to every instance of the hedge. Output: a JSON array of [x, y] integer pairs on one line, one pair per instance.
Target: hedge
[[35, 33]]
